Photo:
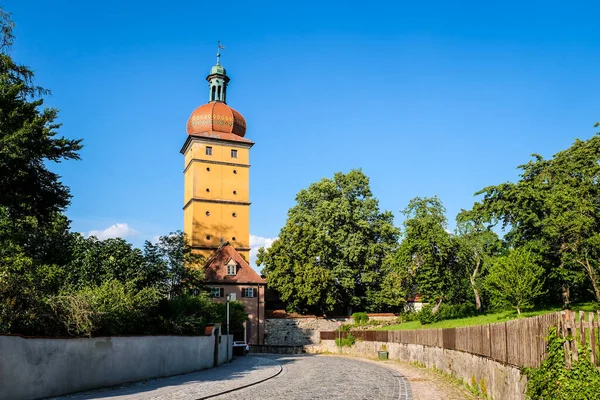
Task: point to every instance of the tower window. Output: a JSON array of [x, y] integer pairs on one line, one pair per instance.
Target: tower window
[[234, 215], [208, 151], [207, 237], [233, 238], [235, 171], [207, 213], [233, 153], [214, 91], [207, 190], [208, 169], [219, 93], [234, 192]]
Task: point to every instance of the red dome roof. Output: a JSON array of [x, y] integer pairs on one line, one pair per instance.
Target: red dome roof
[[216, 117]]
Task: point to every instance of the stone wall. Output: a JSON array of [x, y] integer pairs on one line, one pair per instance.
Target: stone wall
[[305, 330], [299, 331], [503, 382], [32, 368]]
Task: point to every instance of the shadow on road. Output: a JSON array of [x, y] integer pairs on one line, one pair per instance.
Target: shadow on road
[[239, 372]]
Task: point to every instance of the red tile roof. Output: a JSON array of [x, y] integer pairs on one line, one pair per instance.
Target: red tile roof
[[215, 269]]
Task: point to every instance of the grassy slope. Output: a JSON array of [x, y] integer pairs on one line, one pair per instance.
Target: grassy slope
[[483, 319]]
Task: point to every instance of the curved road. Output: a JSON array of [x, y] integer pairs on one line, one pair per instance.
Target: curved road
[[327, 377], [297, 377]]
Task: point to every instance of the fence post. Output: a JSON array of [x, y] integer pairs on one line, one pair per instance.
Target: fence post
[[592, 338], [573, 328], [563, 333], [582, 327]]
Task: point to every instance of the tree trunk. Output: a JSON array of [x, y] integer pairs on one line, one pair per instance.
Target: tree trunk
[[566, 294], [475, 291], [518, 312], [435, 309], [593, 277]]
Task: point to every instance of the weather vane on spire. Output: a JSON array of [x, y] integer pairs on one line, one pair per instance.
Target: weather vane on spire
[[219, 48]]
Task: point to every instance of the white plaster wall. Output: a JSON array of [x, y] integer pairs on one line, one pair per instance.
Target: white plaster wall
[[503, 382], [37, 368], [225, 349]]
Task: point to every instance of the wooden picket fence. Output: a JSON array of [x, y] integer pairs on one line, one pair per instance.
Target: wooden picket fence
[[519, 342]]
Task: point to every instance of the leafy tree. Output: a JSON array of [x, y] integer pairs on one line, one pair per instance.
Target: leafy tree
[[33, 232], [172, 262], [334, 248], [553, 211], [476, 244], [427, 252], [515, 280]]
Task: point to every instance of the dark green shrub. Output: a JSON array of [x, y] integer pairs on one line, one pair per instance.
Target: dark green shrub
[[455, 311], [554, 381], [426, 316], [360, 318]]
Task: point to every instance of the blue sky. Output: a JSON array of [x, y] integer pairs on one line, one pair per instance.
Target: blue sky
[[428, 97]]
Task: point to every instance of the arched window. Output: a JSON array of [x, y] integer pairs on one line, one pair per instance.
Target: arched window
[[214, 91], [219, 93]]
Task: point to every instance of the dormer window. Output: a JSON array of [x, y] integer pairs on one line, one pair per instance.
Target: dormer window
[[231, 268]]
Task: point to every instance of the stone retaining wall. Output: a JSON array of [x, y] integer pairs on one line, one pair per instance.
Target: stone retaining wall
[[503, 382], [305, 331]]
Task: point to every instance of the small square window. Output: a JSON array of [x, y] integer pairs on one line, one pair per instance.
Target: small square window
[[208, 151], [233, 153], [217, 292], [249, 292], [231, 269]]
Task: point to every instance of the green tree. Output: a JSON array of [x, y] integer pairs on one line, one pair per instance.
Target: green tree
[[553, 211], [515, 280], [334, 248], [34, 234], [427, 252], [172, 263], [476, 244]]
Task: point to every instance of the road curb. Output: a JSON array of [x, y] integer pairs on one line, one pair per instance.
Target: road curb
[[279, 370]]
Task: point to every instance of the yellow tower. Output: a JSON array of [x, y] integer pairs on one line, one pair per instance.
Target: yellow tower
[[217, 173]]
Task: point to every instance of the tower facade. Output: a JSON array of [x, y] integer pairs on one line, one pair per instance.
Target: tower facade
[[217, 173]]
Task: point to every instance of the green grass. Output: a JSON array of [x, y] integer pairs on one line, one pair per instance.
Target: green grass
[[484, 319]]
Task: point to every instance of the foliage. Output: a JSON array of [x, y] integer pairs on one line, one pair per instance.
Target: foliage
[[476, 244], [360, 318], [347, 341], [113, 308], [427, 253], [552, 210], [552, 380], [515, 280], [426, 315], [172, 263], [335, 250]]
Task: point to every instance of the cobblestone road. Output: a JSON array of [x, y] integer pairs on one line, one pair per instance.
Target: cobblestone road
[[327, 377], [298, 377]]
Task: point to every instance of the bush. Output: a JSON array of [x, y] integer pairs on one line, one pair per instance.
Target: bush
[[426, 315], [552, 380], [455, 311], [348, 341], [360, 318], [112, 308]]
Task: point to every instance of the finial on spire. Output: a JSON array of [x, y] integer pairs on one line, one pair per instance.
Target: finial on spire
[[219, 48]]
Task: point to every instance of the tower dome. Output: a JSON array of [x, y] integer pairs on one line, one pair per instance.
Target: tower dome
[[216, 116]]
